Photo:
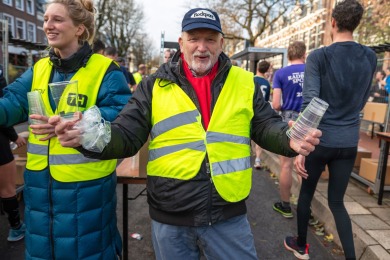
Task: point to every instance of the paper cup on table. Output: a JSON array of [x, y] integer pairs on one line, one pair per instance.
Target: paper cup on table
[[308, 120], [65, 95], [35, 106]]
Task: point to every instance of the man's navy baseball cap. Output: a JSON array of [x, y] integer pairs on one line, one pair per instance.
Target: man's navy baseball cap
[[201, 18]]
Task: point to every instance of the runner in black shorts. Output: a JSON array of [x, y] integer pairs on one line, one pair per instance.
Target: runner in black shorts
[[6, 135], [8, 174]]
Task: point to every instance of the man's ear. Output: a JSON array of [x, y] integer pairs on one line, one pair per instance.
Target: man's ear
[[333, 22], [180, 40]]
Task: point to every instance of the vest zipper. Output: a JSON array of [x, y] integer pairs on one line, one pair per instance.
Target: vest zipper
[[50, 204], [210, 191]]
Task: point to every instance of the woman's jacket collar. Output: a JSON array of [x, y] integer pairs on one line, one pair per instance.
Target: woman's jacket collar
[[74, 62]]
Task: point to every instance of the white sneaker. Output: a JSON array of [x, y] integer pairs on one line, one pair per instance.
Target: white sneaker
[[257, 164]]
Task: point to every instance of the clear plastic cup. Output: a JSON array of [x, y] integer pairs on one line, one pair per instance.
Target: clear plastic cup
[[308, 120], [13, 145], [35, 106], [65, 95]]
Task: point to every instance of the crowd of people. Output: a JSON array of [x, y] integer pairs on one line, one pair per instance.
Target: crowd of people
[[199, 168]]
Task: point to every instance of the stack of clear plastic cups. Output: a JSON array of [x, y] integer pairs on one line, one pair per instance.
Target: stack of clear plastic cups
[[35, 106], [65, 95], [308, 120]]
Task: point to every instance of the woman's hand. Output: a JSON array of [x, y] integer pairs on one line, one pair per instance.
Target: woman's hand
[[42, 129]]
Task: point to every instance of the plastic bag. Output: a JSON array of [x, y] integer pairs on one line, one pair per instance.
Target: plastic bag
[[96, 132]]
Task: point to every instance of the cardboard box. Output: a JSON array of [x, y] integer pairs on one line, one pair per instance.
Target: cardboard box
[[375, 112], [369, 168], [20, 167], [361, 153], [21, 151], [134, 166]]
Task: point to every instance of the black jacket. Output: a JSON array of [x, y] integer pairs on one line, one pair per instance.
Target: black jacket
[[194, 202]]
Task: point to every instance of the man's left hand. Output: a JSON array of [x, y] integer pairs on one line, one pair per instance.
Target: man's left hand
[[307, 145]]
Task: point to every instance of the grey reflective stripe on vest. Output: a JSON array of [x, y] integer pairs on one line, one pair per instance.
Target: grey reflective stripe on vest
[[233, 165], [37, 149], [214, 137], [60, 159], [156, 153], [173, 122]]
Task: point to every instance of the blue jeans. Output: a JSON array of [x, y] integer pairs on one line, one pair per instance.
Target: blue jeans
[[228, 239]]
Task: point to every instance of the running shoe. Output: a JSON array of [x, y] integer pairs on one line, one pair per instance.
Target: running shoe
[[16, 234], [300, 252], [257, 164], [285, 211]]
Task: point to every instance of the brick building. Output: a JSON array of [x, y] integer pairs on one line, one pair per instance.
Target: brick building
[[25, 33]]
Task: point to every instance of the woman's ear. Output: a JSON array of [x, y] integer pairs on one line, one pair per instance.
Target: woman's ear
[[80, 30]]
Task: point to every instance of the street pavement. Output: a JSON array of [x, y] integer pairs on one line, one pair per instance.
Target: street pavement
[[268, 227]]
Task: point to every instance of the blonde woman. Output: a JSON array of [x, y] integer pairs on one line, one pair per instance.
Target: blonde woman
[[70, 201]]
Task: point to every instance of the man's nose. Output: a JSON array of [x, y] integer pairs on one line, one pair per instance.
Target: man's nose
[[202, 46]]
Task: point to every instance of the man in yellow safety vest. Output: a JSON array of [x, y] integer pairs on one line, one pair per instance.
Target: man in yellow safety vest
[[201, 114]]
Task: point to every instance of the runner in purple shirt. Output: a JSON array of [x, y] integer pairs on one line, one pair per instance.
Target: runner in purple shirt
[[287, 98], [290, 81]]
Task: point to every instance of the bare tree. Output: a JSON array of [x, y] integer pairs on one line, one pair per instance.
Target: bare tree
[[101, 7], [375, 25], [142, 50], [118, 22], [248, 19]]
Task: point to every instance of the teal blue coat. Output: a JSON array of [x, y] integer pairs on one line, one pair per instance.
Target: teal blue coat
[[74, 220]]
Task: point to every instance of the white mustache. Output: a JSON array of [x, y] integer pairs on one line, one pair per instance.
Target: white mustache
[[198, 53]]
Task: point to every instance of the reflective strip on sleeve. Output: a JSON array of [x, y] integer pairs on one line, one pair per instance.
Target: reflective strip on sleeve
[[156, 153], [214, 137], [173, 122], [229, 166]]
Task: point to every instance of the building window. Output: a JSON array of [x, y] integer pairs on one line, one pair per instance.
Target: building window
[[30, 8], [10, 20], [7, 2], [19, 4], [31, 33], [20, 29], [313, 38]]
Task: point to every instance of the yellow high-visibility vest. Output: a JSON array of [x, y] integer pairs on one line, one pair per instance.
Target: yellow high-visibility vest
[[137, 77], [179, 142], [67, 164]]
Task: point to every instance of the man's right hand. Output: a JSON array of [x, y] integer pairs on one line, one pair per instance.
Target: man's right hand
[[65, 131]]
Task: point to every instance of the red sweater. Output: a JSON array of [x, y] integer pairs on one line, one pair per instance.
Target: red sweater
[[202, 87]]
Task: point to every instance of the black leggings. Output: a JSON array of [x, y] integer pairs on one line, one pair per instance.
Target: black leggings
[[340, 162]]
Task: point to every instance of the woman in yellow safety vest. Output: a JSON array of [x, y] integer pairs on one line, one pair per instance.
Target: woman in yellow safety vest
[[70, 200]]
